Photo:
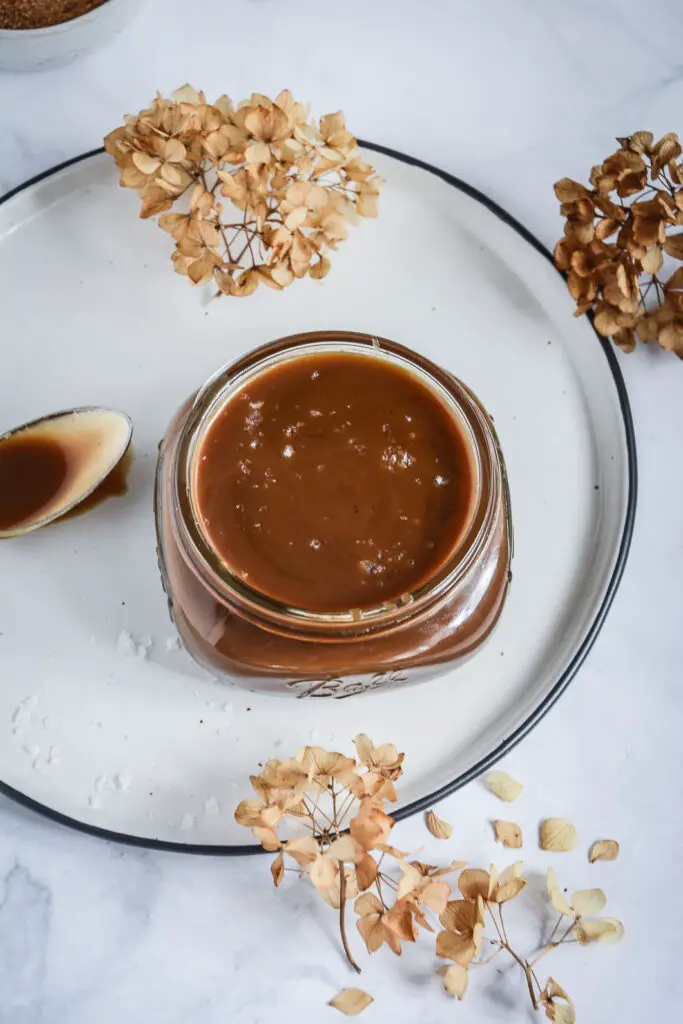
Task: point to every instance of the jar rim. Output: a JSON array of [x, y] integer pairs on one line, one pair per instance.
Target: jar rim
[[482, 446]]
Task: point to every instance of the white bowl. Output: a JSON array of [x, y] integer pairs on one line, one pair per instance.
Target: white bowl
[[38, 48]]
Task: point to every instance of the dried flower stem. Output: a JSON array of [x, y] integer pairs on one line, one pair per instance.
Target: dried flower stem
[[526, 965], [342, 921]]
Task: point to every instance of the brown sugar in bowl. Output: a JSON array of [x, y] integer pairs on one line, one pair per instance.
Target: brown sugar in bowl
[[40, 34]]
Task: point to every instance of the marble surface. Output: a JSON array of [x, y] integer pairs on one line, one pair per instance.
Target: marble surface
[[509, 97]]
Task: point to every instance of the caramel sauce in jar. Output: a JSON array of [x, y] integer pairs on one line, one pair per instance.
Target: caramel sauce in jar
[[333, 516]]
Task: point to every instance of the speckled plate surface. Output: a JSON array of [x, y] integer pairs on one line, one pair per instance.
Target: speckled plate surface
[[104, 723]]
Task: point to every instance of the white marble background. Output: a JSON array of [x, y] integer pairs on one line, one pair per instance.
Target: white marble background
[[510, 96]]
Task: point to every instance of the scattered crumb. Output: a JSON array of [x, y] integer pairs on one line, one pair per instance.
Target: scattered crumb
[[122, 782], [133, 647], [173, 643], [187, 822], [211, 806], [32, 748], [24, 711], [100, 783], [95, 802]]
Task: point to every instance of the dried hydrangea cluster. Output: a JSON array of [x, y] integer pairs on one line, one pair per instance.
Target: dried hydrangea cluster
[[484, 894], [340, 804], [617, 235], [297, 185], [320, 790]]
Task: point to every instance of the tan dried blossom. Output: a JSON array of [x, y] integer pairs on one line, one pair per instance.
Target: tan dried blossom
[[559, 1012], [584, 902], [351, 1001], [507, 833], [463, 925], [455, 979], [605, 929], [327, 793], [292, 187], [604, 849], [617, 235], [345, 852], [557, 835], [439, 828], [503, 786]]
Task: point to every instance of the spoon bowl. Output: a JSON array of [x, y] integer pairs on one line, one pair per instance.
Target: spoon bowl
[[52, 464]]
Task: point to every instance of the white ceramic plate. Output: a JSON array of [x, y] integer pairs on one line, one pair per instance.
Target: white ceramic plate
[[152, 750]]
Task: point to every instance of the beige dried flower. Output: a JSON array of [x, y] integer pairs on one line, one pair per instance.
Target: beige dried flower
[[507, 833], [604, 849], [328, 793], [557, 835], [559, 1012], [292, 187], [584, 902], [351, 1001], [617, 234], [605, 929], [346, 854], [455, 979], [503, 786], [439, 828]]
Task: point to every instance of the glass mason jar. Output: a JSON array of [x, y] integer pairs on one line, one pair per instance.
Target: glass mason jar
[[238, 633]]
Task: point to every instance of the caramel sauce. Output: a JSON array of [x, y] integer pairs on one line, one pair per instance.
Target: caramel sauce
[[38, 470], [333, 482], [33, 471], [113, 486]]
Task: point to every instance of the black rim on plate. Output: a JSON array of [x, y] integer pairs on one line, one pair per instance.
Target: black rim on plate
[[424, 802]]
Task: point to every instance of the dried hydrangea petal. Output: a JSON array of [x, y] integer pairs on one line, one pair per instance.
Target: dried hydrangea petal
[[588, 902], [604, 929], [503, 786], [604, 849], [507, 833], [351, 1001], [439, 828], [557, 835], [455, 979], [557, 896]]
